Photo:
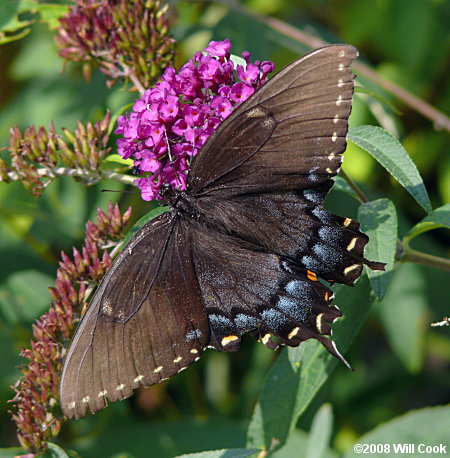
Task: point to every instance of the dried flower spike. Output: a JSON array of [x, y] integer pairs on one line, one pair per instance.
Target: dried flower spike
[[39, 156], [125, 39], [37, 389]]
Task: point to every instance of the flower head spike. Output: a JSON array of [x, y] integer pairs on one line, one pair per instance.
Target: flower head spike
[[38, 156], [124, 38], [37, 389], [173, 120]]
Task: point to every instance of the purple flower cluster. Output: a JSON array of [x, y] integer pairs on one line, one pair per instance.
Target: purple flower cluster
[[171, 121]]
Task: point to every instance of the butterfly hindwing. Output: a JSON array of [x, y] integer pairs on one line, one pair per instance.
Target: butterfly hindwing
[[295, 226], [145, 323], [246, 289]]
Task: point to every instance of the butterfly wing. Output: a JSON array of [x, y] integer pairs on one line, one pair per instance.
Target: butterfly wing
[[271, 189], [288, 136], [295, 226], [274, 159], [246, 289], [145, 323]]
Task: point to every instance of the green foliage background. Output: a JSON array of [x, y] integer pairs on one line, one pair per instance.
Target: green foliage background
[[400, 362]]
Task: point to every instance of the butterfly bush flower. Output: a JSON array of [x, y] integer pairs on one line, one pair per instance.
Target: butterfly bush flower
[[173, 119]]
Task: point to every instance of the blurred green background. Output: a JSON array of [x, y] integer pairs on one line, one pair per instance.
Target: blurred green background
[[400, 362]]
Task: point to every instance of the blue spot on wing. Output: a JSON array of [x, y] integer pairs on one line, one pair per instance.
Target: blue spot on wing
[[293, 308], [274, 319], [245, 322]]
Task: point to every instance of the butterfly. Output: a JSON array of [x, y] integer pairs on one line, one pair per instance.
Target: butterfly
[[239, 251]]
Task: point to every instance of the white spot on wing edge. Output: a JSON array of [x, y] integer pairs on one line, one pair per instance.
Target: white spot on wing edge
[[177, 360], [86, 399], [352, 244], [293, 333], [336, 119], [347, 222], [158, 369], [72, 405], [340, 83], [265, 339], [341, 67], [229, 339], [350, 268], [339, 100], [341, 54], [120, 387], [102, 393], [334, 137], [138, 378], [194, 351], [319, 322]]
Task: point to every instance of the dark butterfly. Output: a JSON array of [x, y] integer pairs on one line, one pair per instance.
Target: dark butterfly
[[239, 251]]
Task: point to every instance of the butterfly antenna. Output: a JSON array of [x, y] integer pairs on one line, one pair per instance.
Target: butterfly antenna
[[117, 190]]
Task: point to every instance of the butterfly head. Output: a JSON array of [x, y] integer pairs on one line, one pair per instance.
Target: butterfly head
[[169, 194]]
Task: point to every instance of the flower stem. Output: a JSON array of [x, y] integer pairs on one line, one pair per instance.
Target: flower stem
[[418, 257], [91, 176], [361, 196], [134, 79], [404, 252]]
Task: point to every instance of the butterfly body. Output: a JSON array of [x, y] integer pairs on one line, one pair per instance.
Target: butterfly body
[[240, 250]]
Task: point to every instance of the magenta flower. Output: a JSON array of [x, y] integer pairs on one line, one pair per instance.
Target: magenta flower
[[219, 48], [173, 120]]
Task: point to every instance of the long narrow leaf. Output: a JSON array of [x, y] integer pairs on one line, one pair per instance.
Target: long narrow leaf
[[320, 434], [439, 217], [389, 152], [379, 221]]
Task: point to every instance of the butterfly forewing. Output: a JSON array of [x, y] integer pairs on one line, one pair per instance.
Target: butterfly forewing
[[146, 321], [288, 136]]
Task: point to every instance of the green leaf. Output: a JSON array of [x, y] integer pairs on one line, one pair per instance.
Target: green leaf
[[403, 314], [51, 12], [117, 158], [55, 451], [320, 434], [439, 217], [167, 439], [389, 152], [379, 221], [298, 373], [296, 446], [12, 452], [11, 26], [145, 219], [422, 428], [225, 453], [10, 11]]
